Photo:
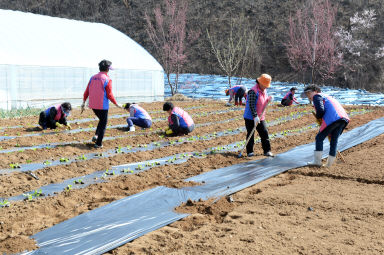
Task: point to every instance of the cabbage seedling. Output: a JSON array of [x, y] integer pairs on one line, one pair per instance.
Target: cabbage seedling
[[13, 166], [64, 160], [68, 188], [83, 157], [4, 203], [37, 193], [78, 181], [127, 170]]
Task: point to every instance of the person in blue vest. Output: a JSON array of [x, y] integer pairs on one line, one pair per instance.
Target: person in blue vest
[[254, 114], [333, 119], [289, 98], [236, 92], [55, 116], [138, 117], [180, 123]]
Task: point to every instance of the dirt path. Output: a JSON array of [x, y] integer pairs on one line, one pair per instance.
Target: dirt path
[[329, 212]]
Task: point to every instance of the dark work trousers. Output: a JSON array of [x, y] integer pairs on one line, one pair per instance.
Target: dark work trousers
[[263, 133], [182, 131], [102, 125], [143, 123], [239, 95], [286, 102], [334, 130]]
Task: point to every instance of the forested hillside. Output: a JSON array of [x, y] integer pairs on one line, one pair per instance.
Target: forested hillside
[[269, 19]]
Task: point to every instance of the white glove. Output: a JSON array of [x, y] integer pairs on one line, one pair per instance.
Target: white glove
[[256, 120], [270, 99]]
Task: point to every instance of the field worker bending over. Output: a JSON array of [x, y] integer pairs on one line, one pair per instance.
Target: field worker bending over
[[333, 121], [138, 117], [180, 123], [254, 114], [55, 116], [289, 98], [99, 91], [237, 92]]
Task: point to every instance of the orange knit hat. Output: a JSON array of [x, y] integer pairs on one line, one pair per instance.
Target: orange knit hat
[[265, 80]]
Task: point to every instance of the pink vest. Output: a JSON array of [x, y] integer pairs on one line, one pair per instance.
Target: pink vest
[[287, 95], [184, 118], [333, 111], [59, 112], [141, 113], [261, 101], [97, 94]]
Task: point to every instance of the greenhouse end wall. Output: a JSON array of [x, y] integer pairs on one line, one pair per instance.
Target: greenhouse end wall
[[41, 86]]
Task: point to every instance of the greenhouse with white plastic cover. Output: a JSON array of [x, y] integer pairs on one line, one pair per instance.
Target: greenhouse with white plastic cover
[[46, 60]]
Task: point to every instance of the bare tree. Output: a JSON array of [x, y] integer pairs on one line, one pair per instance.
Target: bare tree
[[231, 52], [169, 37], [312, 43]]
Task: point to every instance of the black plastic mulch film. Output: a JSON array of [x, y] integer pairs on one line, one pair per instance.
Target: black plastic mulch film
[[124, 220]]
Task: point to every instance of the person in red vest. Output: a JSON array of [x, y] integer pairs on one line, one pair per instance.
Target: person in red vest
[[99, 91], [55, 116], [236, 92], [289, 98], [180, 123], [333, 119]]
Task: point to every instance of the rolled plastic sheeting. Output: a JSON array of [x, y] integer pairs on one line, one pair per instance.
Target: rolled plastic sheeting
[[110, 226]]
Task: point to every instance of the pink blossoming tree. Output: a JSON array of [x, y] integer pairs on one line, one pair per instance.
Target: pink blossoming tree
[[312, 44], [168, 34]]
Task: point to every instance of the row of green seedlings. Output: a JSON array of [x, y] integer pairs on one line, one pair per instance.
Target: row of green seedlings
[[110, 125], [38, 193], [29, 111], [17, 113], [47, 162], [180, 140], [159, 130], [156, 144], [352, 112], [214, 150], [206, 114]]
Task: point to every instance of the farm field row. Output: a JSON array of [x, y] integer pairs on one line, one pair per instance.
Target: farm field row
[[47, 211]]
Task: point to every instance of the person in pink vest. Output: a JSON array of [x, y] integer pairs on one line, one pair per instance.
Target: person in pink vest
[[254, 114], [180, 123], [289, 98], [138, 117], [236, 92], [333, 121], [55, 116], [99, 91]]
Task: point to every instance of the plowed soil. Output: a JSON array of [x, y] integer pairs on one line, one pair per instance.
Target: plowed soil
[[305, 210]]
